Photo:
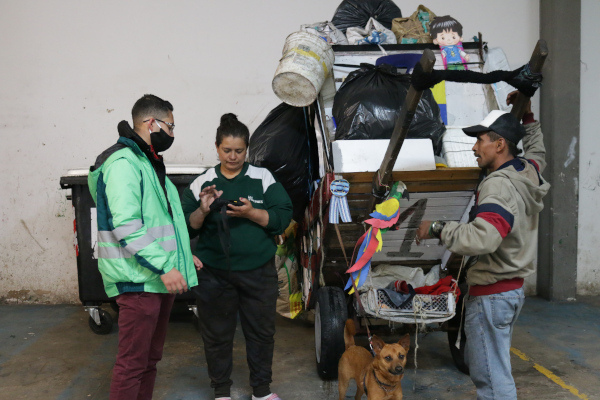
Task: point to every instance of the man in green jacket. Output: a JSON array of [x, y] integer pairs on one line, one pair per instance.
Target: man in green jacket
[[143, 244]]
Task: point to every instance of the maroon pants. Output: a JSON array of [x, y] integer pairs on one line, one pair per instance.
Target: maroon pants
[[143, 320]]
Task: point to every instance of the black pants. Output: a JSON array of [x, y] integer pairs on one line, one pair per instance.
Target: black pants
[[220, 296]]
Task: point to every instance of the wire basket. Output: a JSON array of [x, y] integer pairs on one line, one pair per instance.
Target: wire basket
[[425, 308]]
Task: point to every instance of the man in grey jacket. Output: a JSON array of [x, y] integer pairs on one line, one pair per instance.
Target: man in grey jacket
[[503, 235]]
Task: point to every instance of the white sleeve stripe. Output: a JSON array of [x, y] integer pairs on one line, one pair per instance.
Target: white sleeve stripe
[[196, 185], [263, 174]]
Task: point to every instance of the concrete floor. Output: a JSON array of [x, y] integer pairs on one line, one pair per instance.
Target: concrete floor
[[48, 352]]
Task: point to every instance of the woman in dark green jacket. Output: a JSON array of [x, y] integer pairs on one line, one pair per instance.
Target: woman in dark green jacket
[[236, 247]]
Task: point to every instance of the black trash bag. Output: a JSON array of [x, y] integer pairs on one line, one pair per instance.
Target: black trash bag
[[356, 13], [286, 144], [370, 99]]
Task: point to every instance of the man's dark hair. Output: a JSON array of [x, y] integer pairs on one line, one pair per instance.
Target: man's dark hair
[[445, 23], [150, 105], [512, 148], [230, 126]]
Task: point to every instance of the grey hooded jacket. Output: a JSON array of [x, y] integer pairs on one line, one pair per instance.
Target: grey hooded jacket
[[504, 232]]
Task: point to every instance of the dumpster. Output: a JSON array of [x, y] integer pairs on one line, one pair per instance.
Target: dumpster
[[85, 228]]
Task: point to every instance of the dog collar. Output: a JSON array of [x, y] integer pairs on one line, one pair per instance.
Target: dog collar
[[381, 384]]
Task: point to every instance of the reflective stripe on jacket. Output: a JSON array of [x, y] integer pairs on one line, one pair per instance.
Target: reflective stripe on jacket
[[137, 239]]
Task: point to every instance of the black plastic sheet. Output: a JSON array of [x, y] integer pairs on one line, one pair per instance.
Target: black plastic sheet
[[370, 99], [356, 13], [285, 144]]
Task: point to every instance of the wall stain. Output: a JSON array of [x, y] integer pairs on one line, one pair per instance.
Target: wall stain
[[17, 294], [34, 239]]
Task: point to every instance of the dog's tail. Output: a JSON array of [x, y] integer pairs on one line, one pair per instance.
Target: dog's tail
[[349, 332]]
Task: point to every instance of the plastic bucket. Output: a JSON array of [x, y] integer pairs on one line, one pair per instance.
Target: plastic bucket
[[307, 60]]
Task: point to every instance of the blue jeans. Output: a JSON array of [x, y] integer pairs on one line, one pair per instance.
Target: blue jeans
[[489, 322]]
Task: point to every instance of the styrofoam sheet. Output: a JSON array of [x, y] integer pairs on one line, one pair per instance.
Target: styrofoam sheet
[[457, 148], [367, 155]]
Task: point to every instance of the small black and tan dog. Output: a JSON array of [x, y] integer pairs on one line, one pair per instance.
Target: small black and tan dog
[[379, 377]]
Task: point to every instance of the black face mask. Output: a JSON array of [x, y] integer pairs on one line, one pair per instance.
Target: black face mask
[[161, 140]]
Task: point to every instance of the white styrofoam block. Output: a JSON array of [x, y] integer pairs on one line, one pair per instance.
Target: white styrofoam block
[[457, 148], [367, 155]]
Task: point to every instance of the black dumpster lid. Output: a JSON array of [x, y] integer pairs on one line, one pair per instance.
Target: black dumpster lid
[[78, 176]]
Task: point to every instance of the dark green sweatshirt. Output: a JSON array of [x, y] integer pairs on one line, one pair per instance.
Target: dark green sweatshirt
[[251, 244]]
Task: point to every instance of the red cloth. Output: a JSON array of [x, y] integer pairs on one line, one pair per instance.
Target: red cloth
[[401, 287], [528, 118], [442, 286]]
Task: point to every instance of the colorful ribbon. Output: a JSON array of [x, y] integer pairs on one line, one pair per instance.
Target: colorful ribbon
[[338, 206], [385, 215]]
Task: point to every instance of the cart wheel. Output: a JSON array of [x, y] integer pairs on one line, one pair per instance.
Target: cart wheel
[[106, 323], [115, 307], [331, 314], [458, 355]]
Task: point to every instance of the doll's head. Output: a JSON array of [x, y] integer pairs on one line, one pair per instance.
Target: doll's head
[[446, 31]]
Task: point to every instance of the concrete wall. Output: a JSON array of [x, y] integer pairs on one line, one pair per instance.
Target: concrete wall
[[588, 269], [72, 69]]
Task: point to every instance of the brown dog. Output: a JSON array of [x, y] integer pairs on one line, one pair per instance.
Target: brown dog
[[379, 377]]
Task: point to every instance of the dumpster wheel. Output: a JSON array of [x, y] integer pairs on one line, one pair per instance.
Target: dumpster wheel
[[106, 323], [331, 313]]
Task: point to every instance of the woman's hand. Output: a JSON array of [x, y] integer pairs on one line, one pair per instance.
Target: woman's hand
[[207, 196], [198, 263], [246, 210]]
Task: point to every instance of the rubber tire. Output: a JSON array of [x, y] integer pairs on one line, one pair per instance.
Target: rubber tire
[[106, 323], [331, 314], [458, 355]]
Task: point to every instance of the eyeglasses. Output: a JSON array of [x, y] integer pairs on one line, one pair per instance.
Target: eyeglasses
[[169, 124]]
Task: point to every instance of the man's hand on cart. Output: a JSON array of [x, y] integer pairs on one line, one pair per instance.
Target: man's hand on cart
[[423, 231], [429, 230], [512, 97], [174, 281], [198, 263]]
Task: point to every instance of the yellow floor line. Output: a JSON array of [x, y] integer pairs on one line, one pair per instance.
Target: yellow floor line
[[548, 374]]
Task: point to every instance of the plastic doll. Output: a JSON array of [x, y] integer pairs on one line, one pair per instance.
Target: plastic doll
[[447, 33]]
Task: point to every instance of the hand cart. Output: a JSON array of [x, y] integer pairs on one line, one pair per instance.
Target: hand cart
[[441, 194]]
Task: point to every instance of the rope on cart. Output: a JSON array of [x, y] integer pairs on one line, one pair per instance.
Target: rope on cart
[[417, 309], [321, 247], [462, 311]]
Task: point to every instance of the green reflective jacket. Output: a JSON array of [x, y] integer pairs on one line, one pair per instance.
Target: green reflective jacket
[[137, 239]]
